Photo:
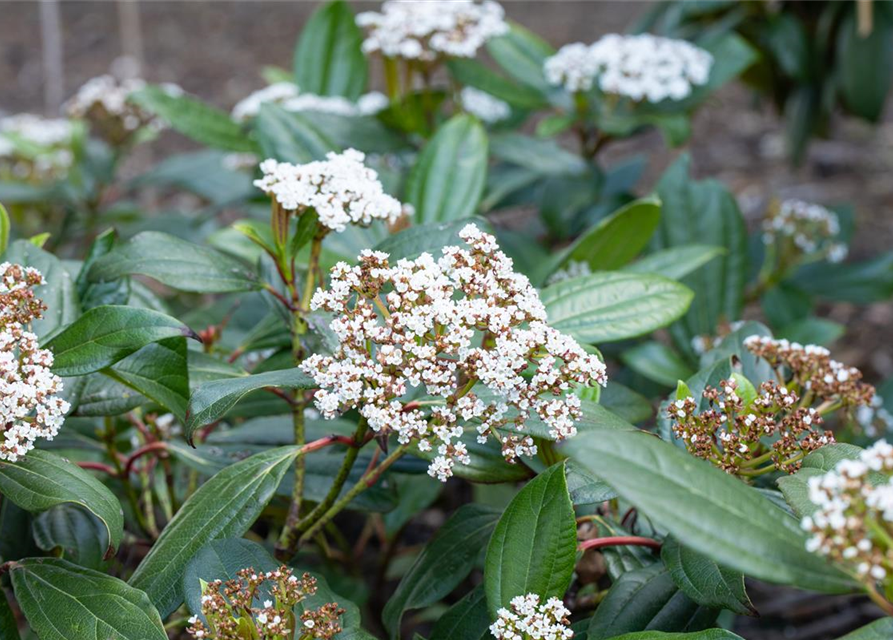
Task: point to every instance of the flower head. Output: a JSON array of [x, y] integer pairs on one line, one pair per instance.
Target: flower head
[[34, 148], [809, 229], [289, 97], [529, 619], [29, 405], [853, 523], [431, 30], [484, 106], [641, 67], [341, 189], [418, 324]]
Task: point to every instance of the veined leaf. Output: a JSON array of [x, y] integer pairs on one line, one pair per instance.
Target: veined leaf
[[676, 262], [160, 372], [468, 619], [704, 581], [80, 536]]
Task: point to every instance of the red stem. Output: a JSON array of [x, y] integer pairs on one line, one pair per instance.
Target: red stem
[[98, 466], [139, 453], [616, 541]]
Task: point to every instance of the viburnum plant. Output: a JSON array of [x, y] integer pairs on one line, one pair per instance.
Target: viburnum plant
[[336, 400]]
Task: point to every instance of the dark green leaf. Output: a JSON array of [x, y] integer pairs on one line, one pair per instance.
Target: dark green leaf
[[864, 63], [9, 629], [657, 362], [795, 487], [328, 59], [676, 262], [194, 119], [534, 546], [877, 630], [101, 293], [610, 306], [63, 601], [446, 561], [712, 511], [474, 74], [177, 263], [430, 237], [522, 54], [704, 581], [543, 157], [41, 481], [78, 535], [290, 136], [223, 507], [468, 619], [812, 331], [160, 372], [105, 335], [447, 181], [707, 634]]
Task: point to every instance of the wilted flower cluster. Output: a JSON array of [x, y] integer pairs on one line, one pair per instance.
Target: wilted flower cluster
[[812, 370], [729, 433], [341, 189], [484, 106], [529, 619], [430, 30], [573, 269], [810, 228], [229, 609], [105, 103], [34, 148], [416, 324], [29, 406], [288, 96], [854, 520], [641, 67]]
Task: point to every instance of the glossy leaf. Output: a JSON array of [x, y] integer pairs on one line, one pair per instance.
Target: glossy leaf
[[63, 601], [468, 619], [176, 263], [522, 54], [106, 335], [328, 60], [212, 400], [194, 119], [223, 507], [657, 362], [704, 581], [712, 511], [447, 181], [609, 306], [676, 262], [74, 533], [158, 371], [41, 480], [534, 546], [647, 600], [445, 562]]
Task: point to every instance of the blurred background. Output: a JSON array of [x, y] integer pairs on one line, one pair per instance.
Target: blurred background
[[216, 50]]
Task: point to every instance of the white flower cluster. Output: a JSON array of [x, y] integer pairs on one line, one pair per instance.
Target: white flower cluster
[[811, 227], [422, 332], [428, 30], [854, 520], [484, 106], [341, 189], [641, 67], [35, 147], [874, 419], [289, 97], [29, 405], [528, 619], [573, 269]]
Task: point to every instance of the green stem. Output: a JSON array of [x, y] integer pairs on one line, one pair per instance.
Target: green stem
[[108, 437], [368, 480], [755, 462]]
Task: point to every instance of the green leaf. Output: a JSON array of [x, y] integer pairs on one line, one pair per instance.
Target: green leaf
[[290, 136], [877, 630], [194, 119], [212, 400], [9, 629], [676, 262], [447, 181], [468, 619], [704, 581], [795, 487], [105, 335], [707, 634], [609, 306], [427, 238], [712, 511], [328, 58], [543, 157], [78, 535], [657, 362], [223, 507], [179, 264], [812, 331], [534, 546], [222, 560], [4, 229], [522, 54], [704, 212], [445, 562], [101, 396], [41, 481], [59, 292], [63, 601], [160, 372], [861, 283], [97, 294], [472, 73], [646, 599], [864, 62]]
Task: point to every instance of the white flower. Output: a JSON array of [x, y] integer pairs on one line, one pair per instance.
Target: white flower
[[431, 29], [275, 93], [530, 619], [289, 97], [484, 106], [36, 148], [340, 189], [811, 227], [573, 269], [641, 67], [419, 323]]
